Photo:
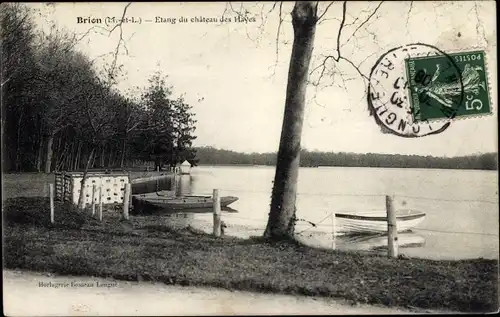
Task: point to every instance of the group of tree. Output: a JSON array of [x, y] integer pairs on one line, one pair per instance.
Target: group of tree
[[61, 112], [486, 161], [73, 123]]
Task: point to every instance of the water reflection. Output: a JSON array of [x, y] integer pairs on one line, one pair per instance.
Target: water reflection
[[365, 242], [174, 186], [179, 185], [378, 241], [161, 184], [200, 218], [183, 185]]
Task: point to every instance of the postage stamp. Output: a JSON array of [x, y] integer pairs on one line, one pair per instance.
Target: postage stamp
[[436, 92], [388, 90]]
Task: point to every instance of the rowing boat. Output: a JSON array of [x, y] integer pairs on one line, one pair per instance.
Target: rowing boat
[[182, 202], [376, 221]]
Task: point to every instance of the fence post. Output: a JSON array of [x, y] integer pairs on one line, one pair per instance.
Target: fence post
[[334, 242], [126, 196], [392, 242], [130, 197], [51, 194], [100, 203], [216, 210], [223, 226], [93, 199]]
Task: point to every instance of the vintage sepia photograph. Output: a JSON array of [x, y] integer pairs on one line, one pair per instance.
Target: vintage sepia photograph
[[249, 158]]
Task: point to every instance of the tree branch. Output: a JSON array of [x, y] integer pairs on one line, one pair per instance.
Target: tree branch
[[278, 37], [339, 34], [408, 15], [364, 22], [479, 25], [326, 10], [120, 41]]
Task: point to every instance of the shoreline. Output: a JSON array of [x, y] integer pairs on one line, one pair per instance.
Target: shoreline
[[146, 178], [333, 166], [148, 249]]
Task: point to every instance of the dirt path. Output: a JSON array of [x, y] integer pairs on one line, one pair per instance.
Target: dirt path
[[24, 295]]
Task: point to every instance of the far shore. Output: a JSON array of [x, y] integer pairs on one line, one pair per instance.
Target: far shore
[[331, 166]]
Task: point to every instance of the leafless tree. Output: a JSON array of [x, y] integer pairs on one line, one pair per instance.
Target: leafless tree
[[306, 16]]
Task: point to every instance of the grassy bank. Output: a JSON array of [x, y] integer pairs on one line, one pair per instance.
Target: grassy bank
[[142, 249], [26, 184], [36, 184]]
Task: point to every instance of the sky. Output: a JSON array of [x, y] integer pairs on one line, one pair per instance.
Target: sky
[[239, 69]]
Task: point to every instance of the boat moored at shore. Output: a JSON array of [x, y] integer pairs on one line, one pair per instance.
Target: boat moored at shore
[[376, 221]]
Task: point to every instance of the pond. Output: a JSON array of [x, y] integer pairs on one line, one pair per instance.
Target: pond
[[461, 206]]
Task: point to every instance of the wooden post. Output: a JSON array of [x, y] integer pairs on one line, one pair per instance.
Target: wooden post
[[222, 228], [334, 242], [176, 186], [93, 199], [217, 211], [392, 242], [100, 204], [51, 194], [130, 198], [81, 199], [126, 196]]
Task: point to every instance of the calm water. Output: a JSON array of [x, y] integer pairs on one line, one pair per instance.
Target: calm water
[[461, 205]]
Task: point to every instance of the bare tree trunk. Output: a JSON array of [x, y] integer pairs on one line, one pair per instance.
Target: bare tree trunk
[[60, 161], [71, 157], [18, 143], [62, 158], [124, 148], [110, 162], [77, 158], [49, 151], [93, 161], [59, 147], [69, 162], [101, 158], [281, 220], [81, 198], [39, 157]]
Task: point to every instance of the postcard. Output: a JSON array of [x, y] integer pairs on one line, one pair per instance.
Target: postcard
[[249, 158]]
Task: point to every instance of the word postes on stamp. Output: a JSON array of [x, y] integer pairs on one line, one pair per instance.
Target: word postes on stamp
[[436, 92]]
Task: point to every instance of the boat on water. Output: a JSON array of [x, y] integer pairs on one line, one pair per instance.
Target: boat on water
[[183, 202], [376, 221]]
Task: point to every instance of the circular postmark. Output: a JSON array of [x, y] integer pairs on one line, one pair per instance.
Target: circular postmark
[[410, 80]]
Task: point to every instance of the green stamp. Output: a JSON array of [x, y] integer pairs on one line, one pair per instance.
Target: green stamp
[[448, 86]]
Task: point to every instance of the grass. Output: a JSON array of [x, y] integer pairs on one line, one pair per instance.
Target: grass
[[36, 184], [26, 184], [141, 249]]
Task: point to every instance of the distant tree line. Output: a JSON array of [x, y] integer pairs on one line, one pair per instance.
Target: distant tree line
[[60, 112], [213, 156]]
